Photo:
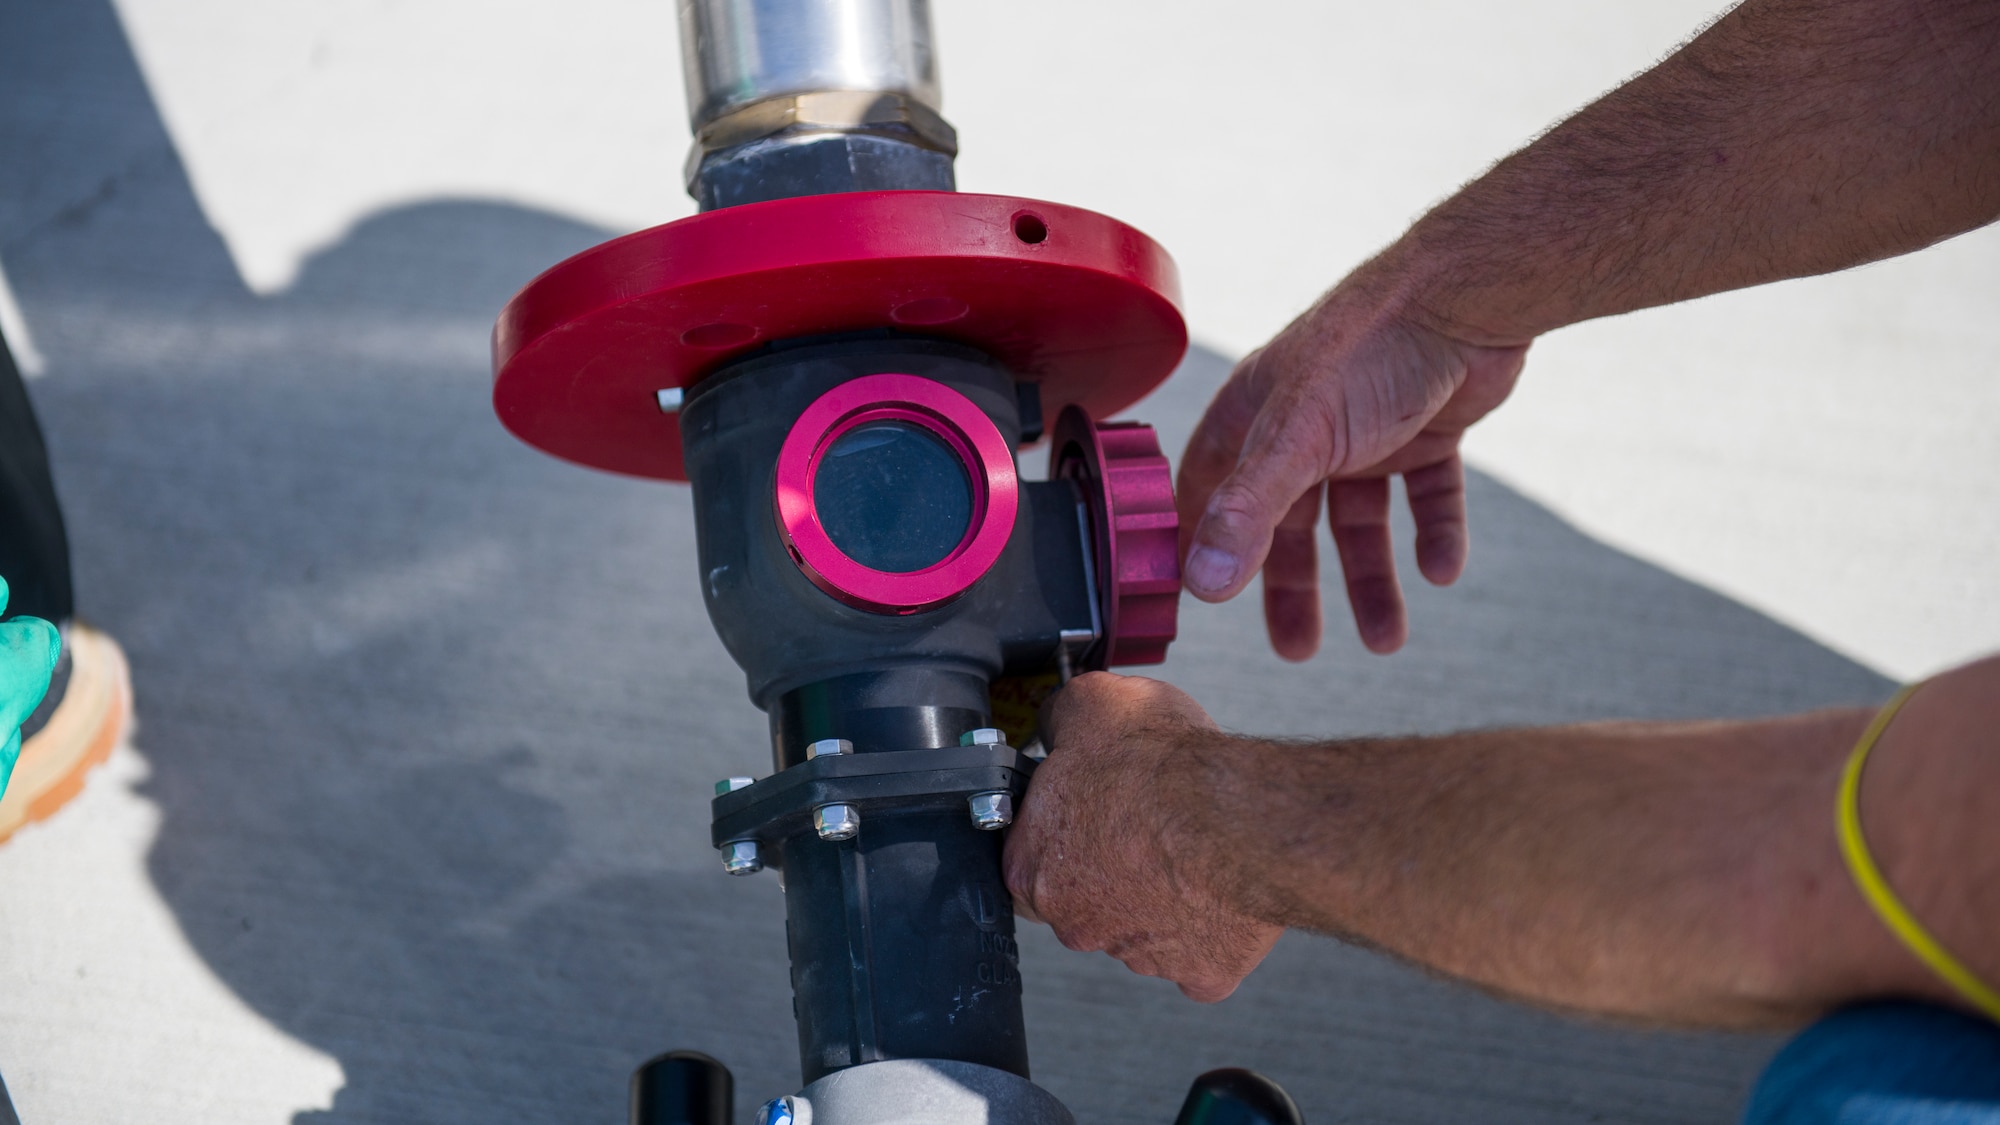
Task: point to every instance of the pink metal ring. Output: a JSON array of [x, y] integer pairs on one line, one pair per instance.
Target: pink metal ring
[[949, 416], [1129, 490]]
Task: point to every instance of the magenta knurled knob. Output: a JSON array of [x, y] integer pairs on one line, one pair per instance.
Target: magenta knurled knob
[[1128, 488]]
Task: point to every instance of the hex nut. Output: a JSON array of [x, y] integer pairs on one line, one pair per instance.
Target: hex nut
[[739, 857], [984, 736], [837, 822], [827, 746], [991, 811], [837, 111], [732, 784]]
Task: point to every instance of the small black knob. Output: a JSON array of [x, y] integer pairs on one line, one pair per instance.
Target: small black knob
[[683, 1088], [1233, 1096]]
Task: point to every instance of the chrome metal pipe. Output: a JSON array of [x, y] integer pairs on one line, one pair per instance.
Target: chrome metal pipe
[[808, 97], [736, 53]]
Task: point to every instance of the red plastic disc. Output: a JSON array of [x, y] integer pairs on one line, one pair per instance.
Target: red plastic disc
[[1080, 302]]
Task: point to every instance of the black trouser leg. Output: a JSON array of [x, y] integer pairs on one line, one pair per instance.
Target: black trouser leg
[[34, 551]]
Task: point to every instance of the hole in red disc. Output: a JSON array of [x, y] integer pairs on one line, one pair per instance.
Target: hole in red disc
[[930, 310], [718, 336], [1030, 228]]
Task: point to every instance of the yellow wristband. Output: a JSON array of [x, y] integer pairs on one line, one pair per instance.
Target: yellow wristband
[[1875, 888]]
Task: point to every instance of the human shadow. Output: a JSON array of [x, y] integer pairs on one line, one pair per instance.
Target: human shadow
[[432, 718]]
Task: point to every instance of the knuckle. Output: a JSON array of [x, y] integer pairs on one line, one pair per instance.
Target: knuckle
[[1079, 939], [1237, 509], [1017, 870], [1093, 681]]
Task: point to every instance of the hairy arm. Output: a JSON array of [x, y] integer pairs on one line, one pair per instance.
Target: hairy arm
[[1792, 137], [1675, 872]]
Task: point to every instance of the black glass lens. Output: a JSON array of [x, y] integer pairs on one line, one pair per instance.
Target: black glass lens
[[893, 496]]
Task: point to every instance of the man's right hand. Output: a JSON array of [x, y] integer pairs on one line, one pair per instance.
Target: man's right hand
[[1355, 391], [1115, 848]]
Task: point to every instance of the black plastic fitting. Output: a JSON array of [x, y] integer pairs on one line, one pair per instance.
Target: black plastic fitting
[[817, 164], [819, 667], [1234, 1096], [901, 936], [683, 1088]]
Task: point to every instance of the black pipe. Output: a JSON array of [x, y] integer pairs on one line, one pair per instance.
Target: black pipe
[[683, 1088], [902, 944]]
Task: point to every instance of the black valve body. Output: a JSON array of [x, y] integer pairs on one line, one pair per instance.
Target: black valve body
[[902, 938]]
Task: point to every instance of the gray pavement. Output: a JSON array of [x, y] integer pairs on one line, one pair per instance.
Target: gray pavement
[[431, 718]]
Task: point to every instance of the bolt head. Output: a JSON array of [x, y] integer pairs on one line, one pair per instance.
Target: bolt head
[[837, 822], [984, 736], [827, 746], [732, 784], [991, 811], [739, 857]]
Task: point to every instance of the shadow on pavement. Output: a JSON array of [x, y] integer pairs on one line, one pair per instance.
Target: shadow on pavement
[[432, 718]]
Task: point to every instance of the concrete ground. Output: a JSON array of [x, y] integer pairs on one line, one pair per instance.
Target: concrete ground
[[413, 826]]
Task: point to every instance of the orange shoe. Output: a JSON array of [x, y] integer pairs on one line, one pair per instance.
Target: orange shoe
[[81, 719]]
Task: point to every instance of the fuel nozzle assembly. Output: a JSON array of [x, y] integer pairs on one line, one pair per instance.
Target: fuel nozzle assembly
[[841, 356]]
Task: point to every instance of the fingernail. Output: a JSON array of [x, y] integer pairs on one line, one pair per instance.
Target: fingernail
[[1210, 570]]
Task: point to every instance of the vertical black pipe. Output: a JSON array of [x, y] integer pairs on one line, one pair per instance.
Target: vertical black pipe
[[902, 944]]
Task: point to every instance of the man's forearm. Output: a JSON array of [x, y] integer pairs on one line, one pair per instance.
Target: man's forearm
[[1793, 137], [1681, 872]]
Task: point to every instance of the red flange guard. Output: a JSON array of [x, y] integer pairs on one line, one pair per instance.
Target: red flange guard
[[1129, 489], [1080, 302]]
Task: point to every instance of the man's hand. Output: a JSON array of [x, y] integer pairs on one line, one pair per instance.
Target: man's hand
[[1352, 393], [1110, 848], [1792, 137]]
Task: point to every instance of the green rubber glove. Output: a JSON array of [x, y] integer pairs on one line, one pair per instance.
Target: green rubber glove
[[28, 650]]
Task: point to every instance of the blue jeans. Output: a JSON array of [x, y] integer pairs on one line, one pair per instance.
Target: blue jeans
[[1884, 1064]]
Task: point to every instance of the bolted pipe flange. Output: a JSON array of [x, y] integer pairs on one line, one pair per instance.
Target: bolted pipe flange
[[889, 783], [837, 822], [991, 811], [739, 857]]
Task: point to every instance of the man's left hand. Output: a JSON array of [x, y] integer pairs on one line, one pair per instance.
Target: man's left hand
[[1112, 847]]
